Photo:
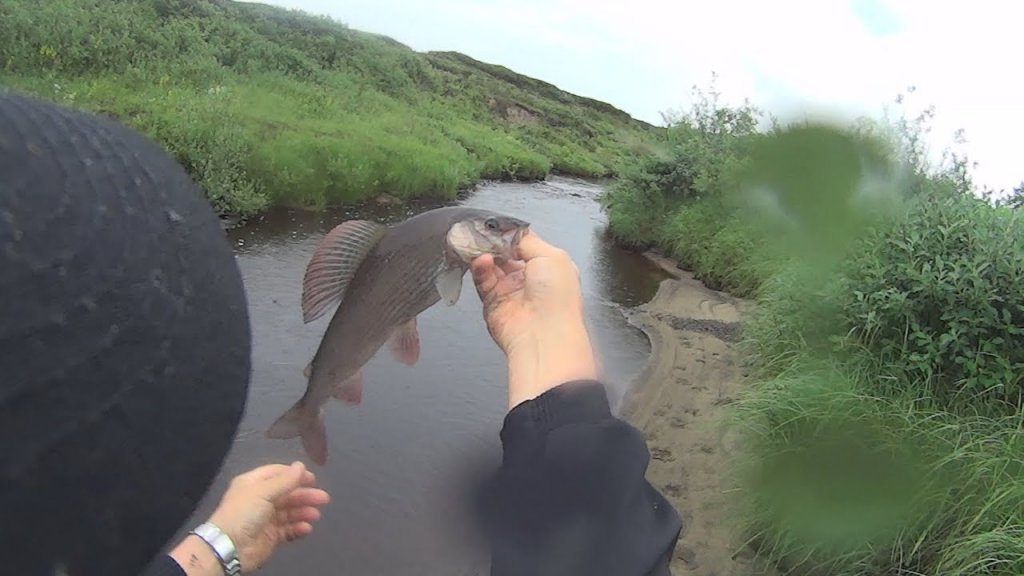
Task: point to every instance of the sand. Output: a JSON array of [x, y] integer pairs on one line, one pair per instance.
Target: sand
[[695, 371]]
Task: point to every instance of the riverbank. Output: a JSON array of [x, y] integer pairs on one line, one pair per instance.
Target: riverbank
[[679, 402], [270, 107], [880, 430]]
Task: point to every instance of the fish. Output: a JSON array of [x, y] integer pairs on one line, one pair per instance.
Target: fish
[[381, 278]]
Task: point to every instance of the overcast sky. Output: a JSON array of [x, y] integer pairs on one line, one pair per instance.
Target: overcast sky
[[843, 57]]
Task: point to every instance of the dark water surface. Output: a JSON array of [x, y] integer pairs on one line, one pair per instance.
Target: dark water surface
[[401, 463]]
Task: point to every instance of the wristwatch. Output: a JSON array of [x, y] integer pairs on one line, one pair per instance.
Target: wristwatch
[[222, 546]]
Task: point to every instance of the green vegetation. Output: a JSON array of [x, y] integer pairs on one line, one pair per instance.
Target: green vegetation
[[268, 106], [884, 433]]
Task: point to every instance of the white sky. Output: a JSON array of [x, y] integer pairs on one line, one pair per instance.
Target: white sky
[[843, 57]]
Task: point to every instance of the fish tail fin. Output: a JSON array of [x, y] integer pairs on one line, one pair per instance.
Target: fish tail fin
[[298, 421], [314, 439], [289, 424]]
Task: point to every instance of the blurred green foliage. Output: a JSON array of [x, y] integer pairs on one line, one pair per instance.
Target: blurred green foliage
[[883, 435]]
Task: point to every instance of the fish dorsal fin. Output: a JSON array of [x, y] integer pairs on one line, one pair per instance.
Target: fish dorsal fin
[[334, 264]]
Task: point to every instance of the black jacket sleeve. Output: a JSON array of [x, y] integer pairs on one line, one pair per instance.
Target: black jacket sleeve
[[570, 497], [163, 565]]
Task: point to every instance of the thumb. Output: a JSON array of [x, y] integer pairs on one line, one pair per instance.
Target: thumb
[[283, 483], [532, 246]]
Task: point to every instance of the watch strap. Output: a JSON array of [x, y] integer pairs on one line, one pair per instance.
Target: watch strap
[[222, 547]]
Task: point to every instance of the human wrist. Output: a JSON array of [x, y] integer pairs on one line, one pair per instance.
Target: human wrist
[[196, 557], [547, 358]]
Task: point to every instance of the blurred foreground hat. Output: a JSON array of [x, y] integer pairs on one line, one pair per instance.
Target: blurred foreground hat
[[124, 343]]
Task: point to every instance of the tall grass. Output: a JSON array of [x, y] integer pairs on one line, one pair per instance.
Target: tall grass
[[883, 434], [836, 478], [270, 106]]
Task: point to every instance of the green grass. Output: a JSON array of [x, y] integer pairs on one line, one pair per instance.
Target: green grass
[[883, 433], [837, 479], [265, 106]]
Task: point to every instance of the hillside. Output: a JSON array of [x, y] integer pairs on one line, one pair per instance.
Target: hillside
[[266, 106]]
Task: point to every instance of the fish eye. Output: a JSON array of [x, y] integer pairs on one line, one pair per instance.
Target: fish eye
[[491, 223]]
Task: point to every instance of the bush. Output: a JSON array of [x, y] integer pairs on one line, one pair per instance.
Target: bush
[[678, 199], [940, 300], [883, 435]]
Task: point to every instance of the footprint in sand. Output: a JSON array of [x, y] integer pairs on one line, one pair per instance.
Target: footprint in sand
[[699, 369], [688, 556], [662, 455], [673, 490]]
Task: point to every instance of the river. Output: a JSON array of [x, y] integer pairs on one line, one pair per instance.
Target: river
[[400, 463]]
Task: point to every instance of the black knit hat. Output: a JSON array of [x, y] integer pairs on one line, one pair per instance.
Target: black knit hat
[[124, 343]]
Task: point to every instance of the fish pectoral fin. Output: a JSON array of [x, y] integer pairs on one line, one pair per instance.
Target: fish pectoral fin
[[405, 343], [334, 264], [350, 391], [449, 283], [308, 370]]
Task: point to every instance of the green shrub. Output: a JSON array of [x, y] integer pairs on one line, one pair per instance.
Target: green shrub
[[678, 199], [940, 300], [636, 213], [722, 250], [883, 434]]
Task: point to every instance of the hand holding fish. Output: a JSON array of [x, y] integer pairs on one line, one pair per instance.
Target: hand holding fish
[[261, 509], [534, 311]]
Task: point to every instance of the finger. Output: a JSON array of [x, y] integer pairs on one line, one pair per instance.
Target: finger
[[512, 266], [485, 273], [300, 530], [262, 473], [515, 280], [511, 283], [482, 265], [303, 514], [532, 246], [306, 497], [283, 483]]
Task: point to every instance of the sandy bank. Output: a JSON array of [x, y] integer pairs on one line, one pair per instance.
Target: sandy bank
[[695, 371]]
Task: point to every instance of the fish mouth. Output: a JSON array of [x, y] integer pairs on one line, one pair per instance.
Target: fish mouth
[[512, 238]]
